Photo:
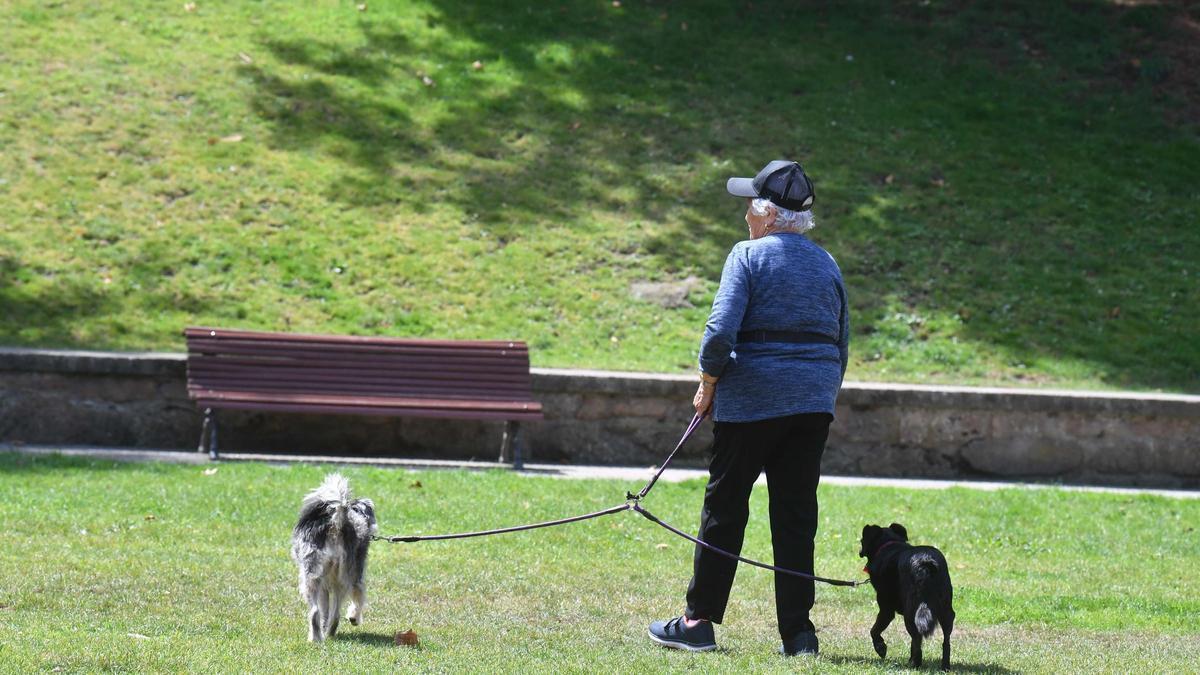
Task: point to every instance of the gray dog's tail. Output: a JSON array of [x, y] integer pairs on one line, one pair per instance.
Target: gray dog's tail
[[333, 495]]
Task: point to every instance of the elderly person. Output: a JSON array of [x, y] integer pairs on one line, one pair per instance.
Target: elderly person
[[772, 361]]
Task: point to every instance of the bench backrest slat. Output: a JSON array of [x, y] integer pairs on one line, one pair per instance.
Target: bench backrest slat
[[295, 348], [410, 411], [378, 375], [316, 360], [223, 334], [337, 388], [365, 401]]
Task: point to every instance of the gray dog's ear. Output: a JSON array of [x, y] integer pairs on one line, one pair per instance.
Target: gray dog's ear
[[899, 529], [366, 506]]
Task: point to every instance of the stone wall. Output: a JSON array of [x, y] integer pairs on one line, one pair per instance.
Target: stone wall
[[140, 400]]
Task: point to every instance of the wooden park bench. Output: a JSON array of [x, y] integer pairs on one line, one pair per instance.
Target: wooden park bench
[[284, 372]]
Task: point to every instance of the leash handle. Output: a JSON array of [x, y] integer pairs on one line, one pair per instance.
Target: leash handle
[[695, 424]]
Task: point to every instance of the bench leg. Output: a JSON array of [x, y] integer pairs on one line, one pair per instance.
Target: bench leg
[[506, 441], [518, 459], [204, 428], [212, 438], [510, 445]]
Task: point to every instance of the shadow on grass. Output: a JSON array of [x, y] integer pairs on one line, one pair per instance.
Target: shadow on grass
[[908, 119], [369, 639], [929, 664], [48, 312]]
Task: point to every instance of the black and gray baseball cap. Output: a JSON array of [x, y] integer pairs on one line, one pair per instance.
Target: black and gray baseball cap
[[782, 181]]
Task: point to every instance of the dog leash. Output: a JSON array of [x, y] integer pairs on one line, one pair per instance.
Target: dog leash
[[629, 497], [654, 519], [632, 503], [503, 530], [695, 424]]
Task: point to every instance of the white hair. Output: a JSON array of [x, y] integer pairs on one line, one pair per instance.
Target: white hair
[[785, 219]]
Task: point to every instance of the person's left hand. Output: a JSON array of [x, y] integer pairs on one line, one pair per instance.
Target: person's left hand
[[702, 401]]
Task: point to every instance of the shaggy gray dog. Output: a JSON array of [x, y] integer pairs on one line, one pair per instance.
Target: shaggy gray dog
[[329, 543]]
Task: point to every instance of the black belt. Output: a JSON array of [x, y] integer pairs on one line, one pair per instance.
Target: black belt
[[794, 336]]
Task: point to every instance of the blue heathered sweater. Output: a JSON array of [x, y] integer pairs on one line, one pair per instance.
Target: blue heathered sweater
[[781, 282]]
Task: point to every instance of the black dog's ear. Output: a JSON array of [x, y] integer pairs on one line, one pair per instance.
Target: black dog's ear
[[869, 532], [899, 529]]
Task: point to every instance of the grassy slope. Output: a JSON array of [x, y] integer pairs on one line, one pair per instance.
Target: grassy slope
[[1044, 581], [1006, 197]]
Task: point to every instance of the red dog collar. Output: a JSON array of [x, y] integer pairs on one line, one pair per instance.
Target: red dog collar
[[883, 546]]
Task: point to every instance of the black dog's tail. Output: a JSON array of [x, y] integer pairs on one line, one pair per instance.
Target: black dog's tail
[[924, 620], [925, 568]]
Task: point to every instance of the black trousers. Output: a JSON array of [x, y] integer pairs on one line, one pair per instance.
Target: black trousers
[[789, 449]]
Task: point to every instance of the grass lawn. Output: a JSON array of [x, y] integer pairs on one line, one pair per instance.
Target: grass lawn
[[1009, 187], [143, 567]]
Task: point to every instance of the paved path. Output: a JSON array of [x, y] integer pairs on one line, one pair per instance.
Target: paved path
[[635, 476]]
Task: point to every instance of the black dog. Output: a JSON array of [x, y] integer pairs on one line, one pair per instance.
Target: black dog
[[911, 580]]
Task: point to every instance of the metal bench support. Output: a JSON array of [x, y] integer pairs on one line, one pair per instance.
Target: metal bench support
[[209, 432], [212, 438], [204, 429], [510, 444]]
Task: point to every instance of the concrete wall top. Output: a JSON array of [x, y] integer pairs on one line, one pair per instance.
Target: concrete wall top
[[555, 380], [19, 359]]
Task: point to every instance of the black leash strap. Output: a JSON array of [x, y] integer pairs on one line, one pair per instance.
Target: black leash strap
[[654, 519], [695, 424], [503, 530], [633, 503]]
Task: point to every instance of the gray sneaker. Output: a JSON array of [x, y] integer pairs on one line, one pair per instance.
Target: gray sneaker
[[801, 644], [675, 634]]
